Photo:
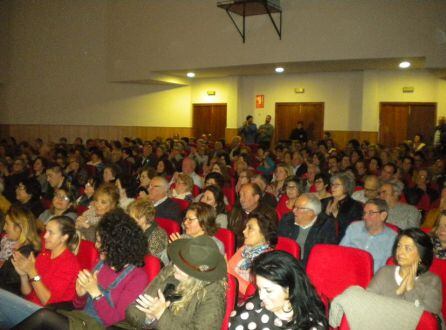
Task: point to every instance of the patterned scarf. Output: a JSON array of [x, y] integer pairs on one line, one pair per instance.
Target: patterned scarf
[[439, 251], [250, 253]]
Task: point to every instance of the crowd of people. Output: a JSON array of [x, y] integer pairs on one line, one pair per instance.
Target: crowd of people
[[388, 201]]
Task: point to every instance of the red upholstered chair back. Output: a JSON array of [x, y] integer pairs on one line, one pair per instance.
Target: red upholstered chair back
[[438, 267], [231, 300], [427, 322], [183, 204], [170, 226], [87, 255], [152, 266], [333, 268], [227, 237], [80, 209], [195, 190], [229, 192], [396, 229], [288, 245], [426, 230]]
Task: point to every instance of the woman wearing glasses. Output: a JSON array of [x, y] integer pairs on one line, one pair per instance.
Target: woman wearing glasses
[[293, 189], [199, 221], [341, 206], [61, 205]]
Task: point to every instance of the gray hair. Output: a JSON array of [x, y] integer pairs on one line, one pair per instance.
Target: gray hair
[[164, 182], [348, 183], [313, 203], [397, 186], [381, 204]]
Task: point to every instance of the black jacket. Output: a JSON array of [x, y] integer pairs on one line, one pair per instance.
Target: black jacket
[[169, 210], [323, 231]]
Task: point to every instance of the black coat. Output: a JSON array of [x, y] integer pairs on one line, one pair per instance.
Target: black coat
[[323, 231], [169, 210], [350, 210]]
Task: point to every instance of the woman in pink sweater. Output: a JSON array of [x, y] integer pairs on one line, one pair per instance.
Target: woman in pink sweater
[[103, 294]]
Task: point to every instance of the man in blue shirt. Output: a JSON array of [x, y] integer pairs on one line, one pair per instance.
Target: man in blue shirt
[[372, 235], [249, 130]]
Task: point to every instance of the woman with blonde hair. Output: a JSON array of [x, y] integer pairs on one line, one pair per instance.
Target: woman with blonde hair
[[276, 187], [183, 187], [438, 236], [21, 231], [106, 198], [187, 294], [143, 212]]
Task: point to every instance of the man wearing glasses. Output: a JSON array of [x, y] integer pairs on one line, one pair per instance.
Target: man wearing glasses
[[372, 235], [307, 225], [371, 189]]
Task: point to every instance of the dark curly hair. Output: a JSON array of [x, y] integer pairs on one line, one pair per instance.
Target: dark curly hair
[[121, 240]]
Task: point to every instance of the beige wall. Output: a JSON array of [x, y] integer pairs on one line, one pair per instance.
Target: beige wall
[[65, 54]]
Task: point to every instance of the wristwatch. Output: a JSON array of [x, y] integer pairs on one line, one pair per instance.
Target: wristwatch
[[36, 278]]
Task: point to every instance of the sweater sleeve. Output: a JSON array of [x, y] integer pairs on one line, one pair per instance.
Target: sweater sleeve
[[123, 295], [62, 282]]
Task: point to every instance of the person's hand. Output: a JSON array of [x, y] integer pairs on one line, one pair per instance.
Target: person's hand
[[82, 222], [24, 265], [174, 236], [408, 280], [89, 282], [153, 307], [80, 290]]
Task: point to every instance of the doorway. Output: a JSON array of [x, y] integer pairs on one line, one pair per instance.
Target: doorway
[[399, 122], [209, 118], [288, 114]]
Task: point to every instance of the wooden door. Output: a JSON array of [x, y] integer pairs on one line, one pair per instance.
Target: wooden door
[[422, 118], [209, 118], [393, 120], [288, 114], [401, 121]]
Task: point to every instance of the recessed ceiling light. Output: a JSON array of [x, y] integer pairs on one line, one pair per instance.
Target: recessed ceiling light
[[279, 69], [404, 65], [190, 74]]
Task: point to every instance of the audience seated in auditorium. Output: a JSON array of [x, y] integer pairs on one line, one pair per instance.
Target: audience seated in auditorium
[[143, 212], [260, 236], [371, 189], [371, 234], [55, 179], [146, 174], [438, 235], [285, 297], [266, 198], [165, 207], [106, 198], [20, 235], [401, 214], [62, 204], [46, 279], [410, 279], [187, 294], [213, 196], [308, 225], [28, 195], [184, 186], [103, 295], [293, 189], [341, 206], [249, 202]]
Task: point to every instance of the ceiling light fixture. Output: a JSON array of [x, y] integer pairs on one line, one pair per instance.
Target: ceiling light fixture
[[190, 74], [279, 69], [404, 65]]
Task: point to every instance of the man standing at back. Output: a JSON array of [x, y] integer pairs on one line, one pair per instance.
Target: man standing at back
[[249, 130], [299, 133], [266, 132], [372, 235]]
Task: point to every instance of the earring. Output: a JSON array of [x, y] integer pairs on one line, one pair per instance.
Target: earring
[[287, 308]]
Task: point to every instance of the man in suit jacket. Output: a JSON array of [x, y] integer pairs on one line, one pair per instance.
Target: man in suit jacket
[[299, 165], [165, 207], [307, 225]]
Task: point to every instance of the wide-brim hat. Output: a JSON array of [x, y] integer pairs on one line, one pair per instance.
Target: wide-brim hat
[[198, 257]]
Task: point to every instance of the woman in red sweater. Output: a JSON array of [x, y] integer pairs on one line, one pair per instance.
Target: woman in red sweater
[[46, 279], [103, 295]]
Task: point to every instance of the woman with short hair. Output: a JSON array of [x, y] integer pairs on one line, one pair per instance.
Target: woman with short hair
[[143, 212]]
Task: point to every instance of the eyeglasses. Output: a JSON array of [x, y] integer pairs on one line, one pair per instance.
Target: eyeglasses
[[62, 197], [370, 213], [291, 186], [186, 219], [297, 208]]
